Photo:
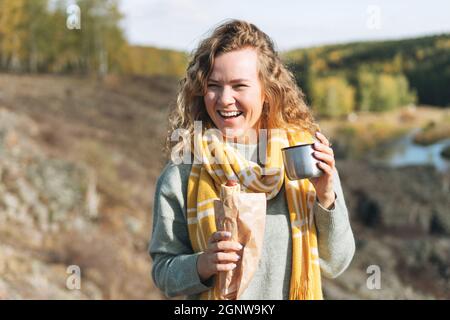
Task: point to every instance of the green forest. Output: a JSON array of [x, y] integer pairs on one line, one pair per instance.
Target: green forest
[[337, 79], [374, 76]]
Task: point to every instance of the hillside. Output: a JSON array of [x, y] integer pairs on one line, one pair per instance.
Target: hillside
[[425, 61], [79, 158], [93, 144]]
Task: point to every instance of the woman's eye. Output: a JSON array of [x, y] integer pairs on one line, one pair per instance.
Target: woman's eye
[[212, 85]]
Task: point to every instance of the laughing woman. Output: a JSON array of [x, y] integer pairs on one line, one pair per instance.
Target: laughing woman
[[236, 83]]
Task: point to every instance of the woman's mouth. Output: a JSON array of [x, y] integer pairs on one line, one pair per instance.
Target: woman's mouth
[[229, 114]]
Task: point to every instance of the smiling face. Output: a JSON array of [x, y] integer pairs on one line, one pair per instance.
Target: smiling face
[[234, 96]]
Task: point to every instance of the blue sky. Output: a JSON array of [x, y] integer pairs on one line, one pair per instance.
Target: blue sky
[[180, 24]]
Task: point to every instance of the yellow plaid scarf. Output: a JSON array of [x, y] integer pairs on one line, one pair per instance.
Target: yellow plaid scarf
[[221, 162]]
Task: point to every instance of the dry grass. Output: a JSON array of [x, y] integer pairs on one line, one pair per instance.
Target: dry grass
[[434, 131], [107, 262]]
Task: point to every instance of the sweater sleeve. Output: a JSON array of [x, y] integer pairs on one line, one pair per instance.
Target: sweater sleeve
[[174, 268], [335, 237]]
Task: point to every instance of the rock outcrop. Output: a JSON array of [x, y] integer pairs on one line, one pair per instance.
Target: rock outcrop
[[40, 198]]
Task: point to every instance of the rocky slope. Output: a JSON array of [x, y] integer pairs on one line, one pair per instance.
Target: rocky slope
[[76, 183], [40, 198], [401, 222]]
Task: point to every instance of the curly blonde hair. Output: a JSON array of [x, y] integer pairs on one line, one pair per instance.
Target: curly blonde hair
[[285, 105]]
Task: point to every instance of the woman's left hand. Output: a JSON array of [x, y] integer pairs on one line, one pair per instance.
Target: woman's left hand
[[324, 184]]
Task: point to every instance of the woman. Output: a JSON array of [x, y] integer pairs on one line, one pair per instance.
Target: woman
[[236, 84]]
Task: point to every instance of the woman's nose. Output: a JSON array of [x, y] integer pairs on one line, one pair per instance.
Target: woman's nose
[[226, 96]]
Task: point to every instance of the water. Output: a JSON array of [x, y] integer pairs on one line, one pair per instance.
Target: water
[[404, 152]]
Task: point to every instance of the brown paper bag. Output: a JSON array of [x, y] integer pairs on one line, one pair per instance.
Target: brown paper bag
[[244, 215]]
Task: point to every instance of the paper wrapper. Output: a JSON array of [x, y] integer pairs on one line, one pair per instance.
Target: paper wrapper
[[244, 215]]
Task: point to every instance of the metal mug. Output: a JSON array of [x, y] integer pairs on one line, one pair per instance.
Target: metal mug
[[300, 163]]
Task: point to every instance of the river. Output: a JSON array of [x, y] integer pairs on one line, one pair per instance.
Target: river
[[404, 152]]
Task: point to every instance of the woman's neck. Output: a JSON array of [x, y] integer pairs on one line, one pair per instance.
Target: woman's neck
[[255, 152], [250, 138]]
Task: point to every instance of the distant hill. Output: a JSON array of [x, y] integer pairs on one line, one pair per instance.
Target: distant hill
[[424, 61], [340, 79], [337, 79]]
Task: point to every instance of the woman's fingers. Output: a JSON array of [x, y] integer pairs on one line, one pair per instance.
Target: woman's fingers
[[224, 267], [325, 167], [225, 246], [220, 241], [220, 235], [328, 159], [323, 148], [322, 139], [220, 255], [223, 257]]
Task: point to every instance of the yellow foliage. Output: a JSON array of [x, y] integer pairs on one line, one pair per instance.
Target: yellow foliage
[[319, 65], [443, 44], [153, 61], [335, 56], [333, 96]]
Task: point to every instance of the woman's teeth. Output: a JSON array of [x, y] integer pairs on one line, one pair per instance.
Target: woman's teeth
[[230, 114]]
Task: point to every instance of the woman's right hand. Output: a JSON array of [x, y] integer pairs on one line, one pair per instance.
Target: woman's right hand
[[221, 255]]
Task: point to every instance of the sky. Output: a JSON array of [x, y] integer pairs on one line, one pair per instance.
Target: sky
[[181, 24]]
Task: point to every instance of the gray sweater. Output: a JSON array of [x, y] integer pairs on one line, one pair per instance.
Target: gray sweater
[[174, 268]]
